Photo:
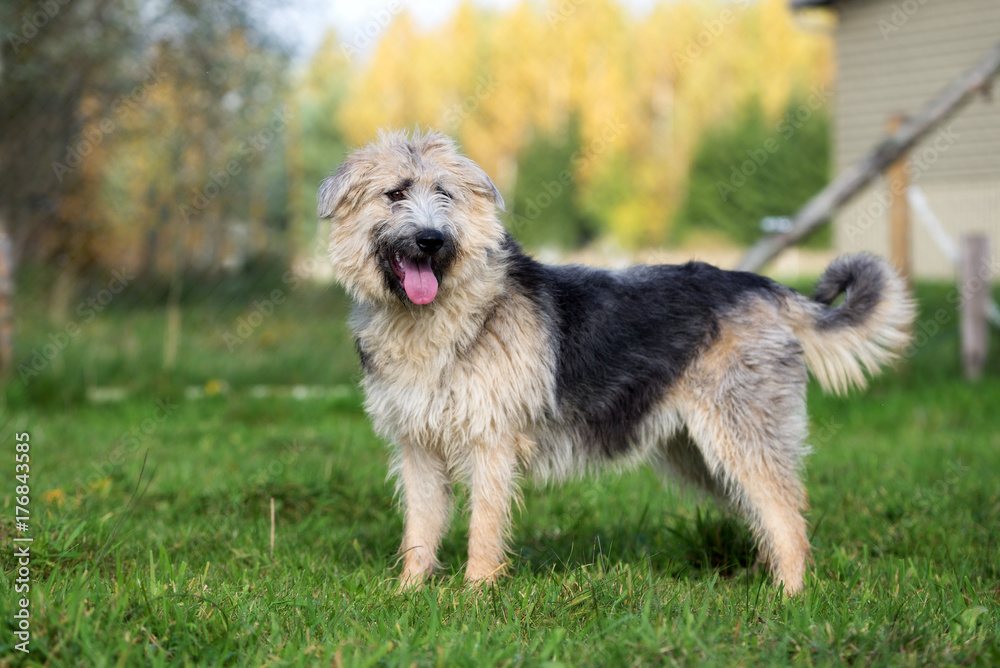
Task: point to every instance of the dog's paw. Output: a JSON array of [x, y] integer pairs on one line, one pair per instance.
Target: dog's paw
[[411, 581], [483, 576]]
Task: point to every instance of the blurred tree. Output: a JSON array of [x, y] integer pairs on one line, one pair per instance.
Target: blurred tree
[[545, 209], [201, 161], [61, 62], [756, 166], [118, 118], [159, 136], [320, 138], [642, 93]]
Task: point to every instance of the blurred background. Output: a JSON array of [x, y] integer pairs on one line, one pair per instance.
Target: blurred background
[[159, 159], [166, 307]]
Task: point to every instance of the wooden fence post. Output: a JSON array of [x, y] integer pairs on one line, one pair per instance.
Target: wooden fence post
[[898, 180], [975, 291], [6, 305], [847, 184]]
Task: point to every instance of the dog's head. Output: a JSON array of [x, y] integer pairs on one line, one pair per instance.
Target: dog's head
[[410, 216]]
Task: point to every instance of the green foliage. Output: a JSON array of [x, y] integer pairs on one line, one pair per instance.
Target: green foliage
[[158, 136], [753, 167], [175, 568], [545, 210], [321, 95], [324, 150], [265, 314]]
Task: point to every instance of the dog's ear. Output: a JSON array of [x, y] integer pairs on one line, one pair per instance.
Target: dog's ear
[[343, 187], [479, 183]]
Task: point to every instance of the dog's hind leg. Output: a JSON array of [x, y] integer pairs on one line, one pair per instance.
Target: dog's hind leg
[[426, 490], [681, 461], [492, 488], [745, 410], [760, 474]]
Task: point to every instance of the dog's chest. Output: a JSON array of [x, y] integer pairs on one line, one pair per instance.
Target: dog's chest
[[450, 383], [424, 396]]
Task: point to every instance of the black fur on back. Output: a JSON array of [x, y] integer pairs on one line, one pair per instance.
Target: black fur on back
[[624, 337]]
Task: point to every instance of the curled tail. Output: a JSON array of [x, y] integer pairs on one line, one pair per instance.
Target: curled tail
[[865, 332]]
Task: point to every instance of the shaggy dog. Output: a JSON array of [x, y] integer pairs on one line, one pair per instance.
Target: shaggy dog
[[481, 364]]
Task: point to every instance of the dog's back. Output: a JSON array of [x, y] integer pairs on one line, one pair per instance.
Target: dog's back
[[626, 337]]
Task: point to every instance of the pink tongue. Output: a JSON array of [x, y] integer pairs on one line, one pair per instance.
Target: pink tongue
[[418, 280]]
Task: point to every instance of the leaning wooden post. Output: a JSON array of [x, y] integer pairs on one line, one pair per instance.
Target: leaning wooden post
[[975, 291], [6, 305], [898, 180], [849, 182]]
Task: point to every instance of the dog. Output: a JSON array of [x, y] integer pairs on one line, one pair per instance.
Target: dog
[[481, 365]]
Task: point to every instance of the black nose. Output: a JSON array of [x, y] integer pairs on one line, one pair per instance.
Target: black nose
[[430, 241]]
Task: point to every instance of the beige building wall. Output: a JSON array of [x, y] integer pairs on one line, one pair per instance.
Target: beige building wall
[[895, 56]]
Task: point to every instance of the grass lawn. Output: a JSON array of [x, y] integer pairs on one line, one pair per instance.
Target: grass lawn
[[151, 520]]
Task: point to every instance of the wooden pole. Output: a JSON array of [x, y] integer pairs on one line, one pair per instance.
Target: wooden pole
[[6, 305], [272, 527], [898, 180], [172, 336], [975, 291], [849, 182]]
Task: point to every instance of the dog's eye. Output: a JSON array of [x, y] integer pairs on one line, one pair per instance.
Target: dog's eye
[[442, 191], [396, 195]]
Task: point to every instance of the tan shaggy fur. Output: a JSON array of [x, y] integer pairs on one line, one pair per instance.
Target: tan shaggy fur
[[464, 388]]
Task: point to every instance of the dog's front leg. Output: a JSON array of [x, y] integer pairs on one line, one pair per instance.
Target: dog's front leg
[[427, 501], [491, 492]]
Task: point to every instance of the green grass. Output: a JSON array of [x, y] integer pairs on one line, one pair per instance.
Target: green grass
[[151, 523]]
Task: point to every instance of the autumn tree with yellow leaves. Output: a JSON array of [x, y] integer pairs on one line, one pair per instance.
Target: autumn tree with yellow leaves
[[138, 134], [205, 145], [634, 94]]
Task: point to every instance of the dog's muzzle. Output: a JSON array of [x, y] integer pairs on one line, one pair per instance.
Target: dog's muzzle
[[418, 263], [430, 241]]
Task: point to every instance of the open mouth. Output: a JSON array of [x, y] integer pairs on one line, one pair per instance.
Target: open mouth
[[417, 277]]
